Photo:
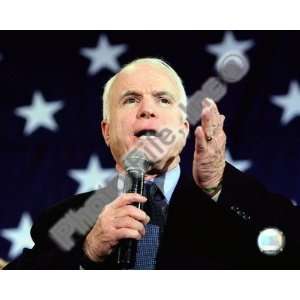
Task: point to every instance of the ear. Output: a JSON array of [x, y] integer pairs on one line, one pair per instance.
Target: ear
[[105, 131], [186, 128]]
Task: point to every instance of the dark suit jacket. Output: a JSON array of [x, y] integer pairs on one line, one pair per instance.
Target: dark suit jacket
[[199, 234]]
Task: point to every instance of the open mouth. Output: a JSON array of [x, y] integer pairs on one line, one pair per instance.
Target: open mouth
[[146, 132]]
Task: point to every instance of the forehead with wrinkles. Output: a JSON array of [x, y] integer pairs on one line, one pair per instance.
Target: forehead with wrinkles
[[143, 78]]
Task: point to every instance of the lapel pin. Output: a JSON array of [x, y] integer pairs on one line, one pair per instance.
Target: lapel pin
[[271, 241]]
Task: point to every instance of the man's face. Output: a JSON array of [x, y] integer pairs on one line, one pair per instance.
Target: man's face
[[144, 101]]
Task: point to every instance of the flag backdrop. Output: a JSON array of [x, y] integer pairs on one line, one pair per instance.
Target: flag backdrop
[[50, 92]]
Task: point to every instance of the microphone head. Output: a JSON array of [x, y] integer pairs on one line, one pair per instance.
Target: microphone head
[[137, 161]]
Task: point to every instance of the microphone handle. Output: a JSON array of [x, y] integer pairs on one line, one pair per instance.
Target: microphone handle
[[127, 247]]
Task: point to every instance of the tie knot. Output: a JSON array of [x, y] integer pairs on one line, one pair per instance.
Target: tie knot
[[151, 190], [153, 193]]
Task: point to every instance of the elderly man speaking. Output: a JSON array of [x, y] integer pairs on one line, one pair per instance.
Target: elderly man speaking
[[219, 218]]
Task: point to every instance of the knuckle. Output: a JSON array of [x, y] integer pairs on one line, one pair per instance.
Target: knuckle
[[143, 214], [128, 222], [130, 210], [138, 236], [140, 226]]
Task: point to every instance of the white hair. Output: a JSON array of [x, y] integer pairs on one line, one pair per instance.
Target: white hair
[[150, 61]]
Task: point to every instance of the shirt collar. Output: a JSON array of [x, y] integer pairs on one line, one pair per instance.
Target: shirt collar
[[168, 181]]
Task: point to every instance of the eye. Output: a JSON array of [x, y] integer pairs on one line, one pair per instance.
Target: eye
[[165, 100], [129, 100]]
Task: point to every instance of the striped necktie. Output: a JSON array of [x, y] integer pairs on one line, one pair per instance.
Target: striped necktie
[[156, 208]]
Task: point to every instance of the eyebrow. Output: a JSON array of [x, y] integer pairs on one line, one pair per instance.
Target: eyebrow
[[130, 93], [155, 94], [163, 93]]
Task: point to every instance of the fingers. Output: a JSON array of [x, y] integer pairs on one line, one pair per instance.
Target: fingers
[[211, 120], [118, 220], [128, 222], [133, 212], [221, 124], [211, 127], [210, 141], [122, 206], [127, 199], [200, 140], [127, 233]]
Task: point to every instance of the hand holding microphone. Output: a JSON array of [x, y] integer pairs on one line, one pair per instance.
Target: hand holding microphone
[[121, 219]]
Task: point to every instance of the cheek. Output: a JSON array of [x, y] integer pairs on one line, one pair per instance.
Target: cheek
[[125, 119], [121, 132], [173, 120]]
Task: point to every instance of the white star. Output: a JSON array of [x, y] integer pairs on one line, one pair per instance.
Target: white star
[[229, 44], [19, 237], [93, 177], [242, 165], [290, 103], [294, 202], [103, 56], [39, 113]]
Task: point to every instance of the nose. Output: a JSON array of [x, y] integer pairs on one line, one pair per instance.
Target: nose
[[146, 110]]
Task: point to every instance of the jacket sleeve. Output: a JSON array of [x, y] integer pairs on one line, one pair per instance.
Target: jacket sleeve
[[48, 253]]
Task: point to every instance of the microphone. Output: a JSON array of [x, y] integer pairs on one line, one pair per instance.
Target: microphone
[[136, 165]]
